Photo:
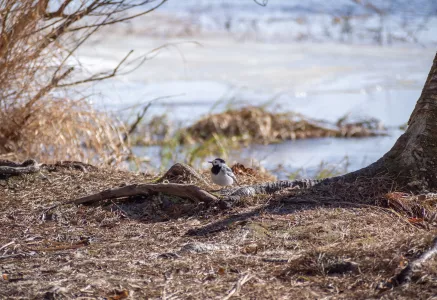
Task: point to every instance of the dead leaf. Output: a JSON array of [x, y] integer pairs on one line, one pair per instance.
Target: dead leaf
[[240, 169], [415, 220], [120, 295], [250, 249], [396, 195]]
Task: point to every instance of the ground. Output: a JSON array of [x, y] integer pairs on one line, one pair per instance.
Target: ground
[[157, 247]]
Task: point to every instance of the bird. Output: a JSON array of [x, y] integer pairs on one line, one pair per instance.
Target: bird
[[221, 174]]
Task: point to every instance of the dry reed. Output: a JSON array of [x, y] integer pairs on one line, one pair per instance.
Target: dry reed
[[37, 42]]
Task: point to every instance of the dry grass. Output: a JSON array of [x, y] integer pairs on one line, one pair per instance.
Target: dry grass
[[64, 129], [273, 251]]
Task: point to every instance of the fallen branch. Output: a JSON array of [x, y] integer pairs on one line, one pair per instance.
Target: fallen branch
[[10, 168], [404, 276], [188, 191]]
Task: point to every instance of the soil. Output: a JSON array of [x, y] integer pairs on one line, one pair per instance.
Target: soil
[[170, 248]]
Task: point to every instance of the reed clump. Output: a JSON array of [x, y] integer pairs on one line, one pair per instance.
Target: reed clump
[[257, 125], [63, 129]]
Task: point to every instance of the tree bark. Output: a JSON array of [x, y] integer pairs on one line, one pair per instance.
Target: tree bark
[[413, 159]]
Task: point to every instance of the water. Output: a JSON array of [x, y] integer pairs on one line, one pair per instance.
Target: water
[[321, 78]]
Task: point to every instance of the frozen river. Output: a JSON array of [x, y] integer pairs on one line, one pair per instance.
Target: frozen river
[[209, 71]]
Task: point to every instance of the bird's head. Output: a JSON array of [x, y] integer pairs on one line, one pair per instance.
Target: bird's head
[[217, 162]]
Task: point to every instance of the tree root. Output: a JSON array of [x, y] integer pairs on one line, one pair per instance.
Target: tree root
[[404, 276], [270, 187]]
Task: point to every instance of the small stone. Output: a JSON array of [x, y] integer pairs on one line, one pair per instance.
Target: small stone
[[202, 247]]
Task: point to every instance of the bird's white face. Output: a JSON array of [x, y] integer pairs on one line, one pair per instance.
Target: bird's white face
[[217, 162]]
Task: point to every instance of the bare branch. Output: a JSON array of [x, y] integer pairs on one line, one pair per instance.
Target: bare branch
[[59, 12], [263, 3], [99, 77], [120, 19]]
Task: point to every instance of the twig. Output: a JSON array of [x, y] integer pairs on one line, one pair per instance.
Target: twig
[[134, 125], [62, 247], [404, 276], [11, 255], [140, 116], [98, 77], [238, 285], [263, 3], [4, 246], [120, 19]]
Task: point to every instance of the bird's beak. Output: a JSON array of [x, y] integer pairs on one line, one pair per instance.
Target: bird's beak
[[210, 162]]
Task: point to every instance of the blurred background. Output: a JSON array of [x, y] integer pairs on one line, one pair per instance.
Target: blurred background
[[223, 78]]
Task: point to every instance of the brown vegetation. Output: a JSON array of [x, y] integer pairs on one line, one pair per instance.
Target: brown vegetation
[[255, 124], [38, 117]]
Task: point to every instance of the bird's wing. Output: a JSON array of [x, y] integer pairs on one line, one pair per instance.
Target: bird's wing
[[228, 171]]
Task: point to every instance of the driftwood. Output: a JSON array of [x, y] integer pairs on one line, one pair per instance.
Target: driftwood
[[10, 168], [405, 275]]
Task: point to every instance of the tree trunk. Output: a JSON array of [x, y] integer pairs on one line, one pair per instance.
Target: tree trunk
[[412, 161]]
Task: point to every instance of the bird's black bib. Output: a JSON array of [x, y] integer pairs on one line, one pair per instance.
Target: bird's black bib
[[215, 169]]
